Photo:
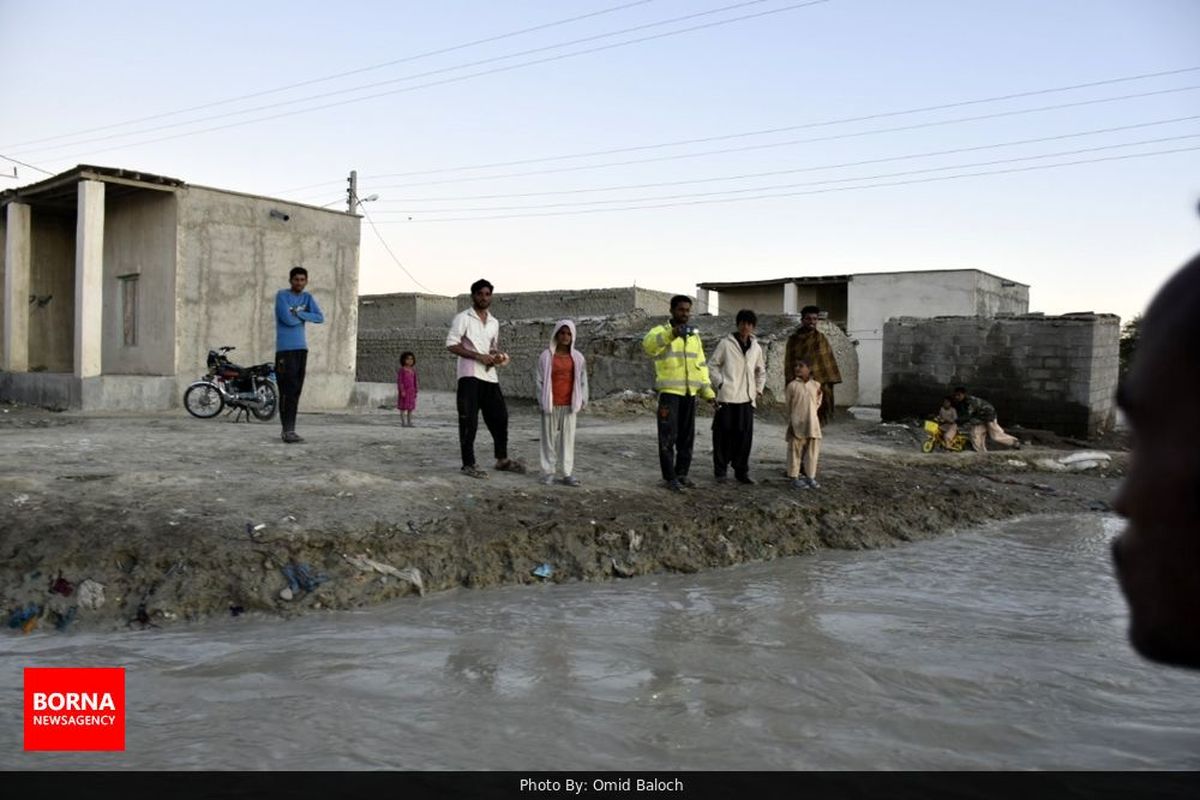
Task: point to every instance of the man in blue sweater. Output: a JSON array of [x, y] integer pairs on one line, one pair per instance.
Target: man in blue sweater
[[293, 308]]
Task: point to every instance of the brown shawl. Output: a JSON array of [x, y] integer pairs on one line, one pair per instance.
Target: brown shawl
[[813, 347]]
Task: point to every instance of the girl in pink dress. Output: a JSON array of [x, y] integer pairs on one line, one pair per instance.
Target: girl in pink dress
[[407, 386]]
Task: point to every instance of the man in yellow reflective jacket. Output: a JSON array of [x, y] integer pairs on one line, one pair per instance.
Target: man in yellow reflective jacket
[[680, 374]]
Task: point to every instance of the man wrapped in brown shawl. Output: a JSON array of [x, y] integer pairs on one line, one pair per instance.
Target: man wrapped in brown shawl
[[809, 344]]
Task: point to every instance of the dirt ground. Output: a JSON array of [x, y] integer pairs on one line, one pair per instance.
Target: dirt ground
[[117, 520]]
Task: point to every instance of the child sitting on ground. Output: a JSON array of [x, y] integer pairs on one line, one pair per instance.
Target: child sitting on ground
[[803, 397], [947, 420], [406, 388]]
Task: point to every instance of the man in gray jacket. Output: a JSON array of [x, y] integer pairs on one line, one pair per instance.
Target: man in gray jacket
[[738, 373]]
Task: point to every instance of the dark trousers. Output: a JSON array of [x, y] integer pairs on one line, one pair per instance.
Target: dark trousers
[[825, 412], [676, 432], [474, 396], [289, 374], [733, 434]]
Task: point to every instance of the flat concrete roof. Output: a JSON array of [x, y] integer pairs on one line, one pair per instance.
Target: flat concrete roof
[[815, 280], [60, 190], [807, 281]]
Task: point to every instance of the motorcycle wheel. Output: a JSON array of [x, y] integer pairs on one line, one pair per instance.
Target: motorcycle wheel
[[927, 446], [202, 400], [268, 402]]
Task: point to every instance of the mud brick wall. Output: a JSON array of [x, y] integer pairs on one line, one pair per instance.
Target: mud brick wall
[[612, 345], [1052, 373], [404, 310], [574, 303]]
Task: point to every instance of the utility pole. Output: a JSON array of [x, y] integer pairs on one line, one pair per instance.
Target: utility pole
[[352, 192]]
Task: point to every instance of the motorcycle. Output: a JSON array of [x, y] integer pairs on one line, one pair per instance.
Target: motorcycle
[[248, 390]]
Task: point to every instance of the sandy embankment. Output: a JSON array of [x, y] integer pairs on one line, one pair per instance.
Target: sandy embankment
[[180, 519]]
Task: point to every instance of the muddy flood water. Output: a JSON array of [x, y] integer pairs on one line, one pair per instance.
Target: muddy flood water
[[1001, 647]]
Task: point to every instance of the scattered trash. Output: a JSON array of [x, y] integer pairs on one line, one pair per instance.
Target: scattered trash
[[62, 586], [1088, 459], [20, 617], [1016, 462], [285, 594], [622, 570], [635, 540], [300, 576], [20, 499], [1099, 505], [236, 611], [410, 574], [61, 620], [543, 570], [91, 594]]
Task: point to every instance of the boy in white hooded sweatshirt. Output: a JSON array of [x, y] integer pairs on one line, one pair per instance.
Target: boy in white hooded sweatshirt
[[562, 389]]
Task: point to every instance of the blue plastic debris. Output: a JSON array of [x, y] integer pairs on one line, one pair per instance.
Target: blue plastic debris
[[20, 616], [300, 576], [543, 570]]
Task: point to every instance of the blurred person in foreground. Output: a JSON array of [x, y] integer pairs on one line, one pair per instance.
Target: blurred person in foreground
[[1157, 557]]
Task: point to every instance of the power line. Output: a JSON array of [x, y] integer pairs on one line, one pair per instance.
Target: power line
[[790, 142], [768, 173], [802, 193], [813, 183], [764, 132], [383, 242], [415, 76], [767, 131], [287, 87], [454, 79], [23, 164]]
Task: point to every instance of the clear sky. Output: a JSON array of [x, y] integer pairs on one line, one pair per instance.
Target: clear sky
[[778, 188]]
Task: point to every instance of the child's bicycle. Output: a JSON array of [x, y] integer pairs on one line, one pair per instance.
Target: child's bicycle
[[935, 440]]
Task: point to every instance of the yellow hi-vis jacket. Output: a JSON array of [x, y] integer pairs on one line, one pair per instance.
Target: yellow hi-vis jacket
[[679, 365]]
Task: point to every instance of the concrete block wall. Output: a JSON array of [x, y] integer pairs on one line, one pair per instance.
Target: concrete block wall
[[574, 303], [612, 345], [233, 256], [405, 310], [1053, 373]]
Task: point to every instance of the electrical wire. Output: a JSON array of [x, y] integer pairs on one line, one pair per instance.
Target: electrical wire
[[23, 164], [827, 190], [383, 242], [791, 142], [769, 173], [442, 82], [785, 129], [813, 183], [290, 86]]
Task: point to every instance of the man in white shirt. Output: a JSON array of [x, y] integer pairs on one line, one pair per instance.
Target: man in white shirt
[[475, 338], [738, 373]]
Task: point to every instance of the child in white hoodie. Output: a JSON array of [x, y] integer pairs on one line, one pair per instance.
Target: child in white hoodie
[[562, 388]]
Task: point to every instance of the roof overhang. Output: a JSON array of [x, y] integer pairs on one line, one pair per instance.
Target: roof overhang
[[802, 281], [61, 190]]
